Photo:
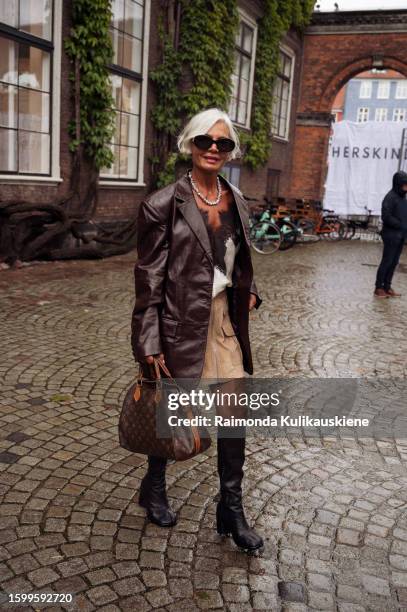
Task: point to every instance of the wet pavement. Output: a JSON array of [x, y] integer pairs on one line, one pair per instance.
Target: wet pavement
[[333, 509]]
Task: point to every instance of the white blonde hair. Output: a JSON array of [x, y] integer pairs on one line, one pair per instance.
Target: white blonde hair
[[201, 123]]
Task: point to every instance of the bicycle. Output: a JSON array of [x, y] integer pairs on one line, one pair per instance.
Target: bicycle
[[265, 229], [265, 236], [361, 225], [323, 222]]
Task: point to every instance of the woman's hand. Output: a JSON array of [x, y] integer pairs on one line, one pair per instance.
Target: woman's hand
[[150, 358], [252, 301]]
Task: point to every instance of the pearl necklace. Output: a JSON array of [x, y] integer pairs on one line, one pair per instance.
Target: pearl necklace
[[209, 202]]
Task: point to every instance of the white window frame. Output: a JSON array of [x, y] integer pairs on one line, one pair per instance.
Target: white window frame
[[55, 176], [113, 183], [291, 53], [365, 95], [360, 116], [400, 114], [380, 114], [383, 89], [243, 16], [401, 90]]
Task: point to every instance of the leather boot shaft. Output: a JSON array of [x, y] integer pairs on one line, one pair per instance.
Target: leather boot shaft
[[153, 495], [230, 517]]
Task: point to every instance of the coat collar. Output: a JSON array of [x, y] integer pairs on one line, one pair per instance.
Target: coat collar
[[185, 202]]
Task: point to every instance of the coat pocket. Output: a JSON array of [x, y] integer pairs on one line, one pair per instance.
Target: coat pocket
[[168, 327]]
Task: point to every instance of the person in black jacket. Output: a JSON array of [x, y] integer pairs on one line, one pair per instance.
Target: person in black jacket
[[394, 232]]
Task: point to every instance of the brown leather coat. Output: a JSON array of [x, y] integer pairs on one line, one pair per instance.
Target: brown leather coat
[[173, 281]]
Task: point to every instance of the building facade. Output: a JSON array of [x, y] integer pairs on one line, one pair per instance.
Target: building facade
[[337, 47], [376, 96], [36, 104]]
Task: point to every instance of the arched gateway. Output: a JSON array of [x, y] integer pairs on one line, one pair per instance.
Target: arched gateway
[[337, 46]]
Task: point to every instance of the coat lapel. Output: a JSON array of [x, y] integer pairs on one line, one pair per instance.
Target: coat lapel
[[186, 204]]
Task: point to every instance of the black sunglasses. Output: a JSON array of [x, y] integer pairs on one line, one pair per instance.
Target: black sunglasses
[[204, 142]]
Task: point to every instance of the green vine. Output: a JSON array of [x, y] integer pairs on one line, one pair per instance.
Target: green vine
[[278, 16], [90, 49], [197, 74], [206, 48], [203, 61]]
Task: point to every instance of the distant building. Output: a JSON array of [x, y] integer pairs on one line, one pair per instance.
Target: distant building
[[374, 96]]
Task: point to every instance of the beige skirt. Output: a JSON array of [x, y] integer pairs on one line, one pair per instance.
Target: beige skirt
[[223, 355]]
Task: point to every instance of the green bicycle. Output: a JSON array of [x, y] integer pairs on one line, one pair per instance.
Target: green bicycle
[[265, 236]]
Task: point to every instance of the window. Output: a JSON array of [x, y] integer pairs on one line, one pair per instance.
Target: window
[[365, 89], [383, 90], [282, 96], [128, 32], [401, 90], [242, 76], [381, 114], [362, 114], [232, 173], [399, 114], [26, 58]]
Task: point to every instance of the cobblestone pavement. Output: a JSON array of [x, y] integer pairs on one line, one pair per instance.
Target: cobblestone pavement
[[333, 511]]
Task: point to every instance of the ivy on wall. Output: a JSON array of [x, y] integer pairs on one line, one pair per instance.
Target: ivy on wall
[[90, 48], [197, 74], [194, 76], [279, 16]]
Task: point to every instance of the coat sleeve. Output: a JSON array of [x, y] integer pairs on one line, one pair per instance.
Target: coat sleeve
[[388, 217], [149, 276]]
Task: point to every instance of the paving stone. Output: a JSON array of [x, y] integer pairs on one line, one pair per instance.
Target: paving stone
[[42, 576], [72, 567], [135, 602], [154, 578], [236, 593], [101, 576], [128, 586], [291, 591], [349, 537], [151, 559], [23, 564], [159, 597], [375, 585], [180, 587], [321, 601], [208, 600], [127, 551], [102, 595]]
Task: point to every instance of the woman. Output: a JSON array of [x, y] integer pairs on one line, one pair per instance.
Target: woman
[[194, 289]]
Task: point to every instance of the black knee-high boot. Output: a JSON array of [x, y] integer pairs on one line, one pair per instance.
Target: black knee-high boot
[[153, 495], [230, 518]]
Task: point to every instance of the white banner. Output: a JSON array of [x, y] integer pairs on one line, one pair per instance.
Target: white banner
[[362, 160]]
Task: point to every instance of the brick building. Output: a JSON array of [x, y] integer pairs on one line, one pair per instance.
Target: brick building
[[337, 47], [36, 105]]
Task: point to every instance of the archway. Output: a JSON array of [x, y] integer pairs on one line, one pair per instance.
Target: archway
[[337, 46], [365, 150]]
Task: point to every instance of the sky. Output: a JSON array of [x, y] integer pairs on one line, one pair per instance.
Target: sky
[[361, 5]]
